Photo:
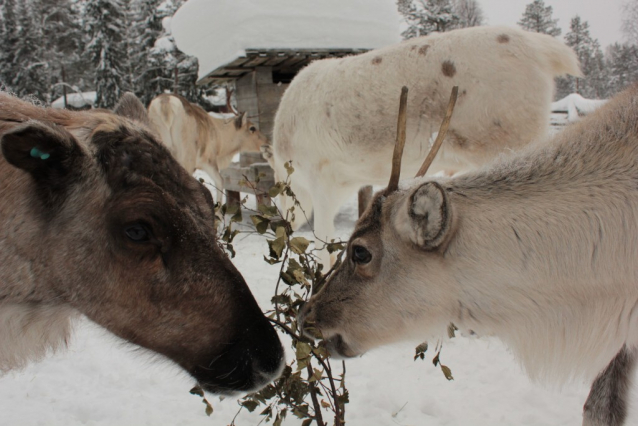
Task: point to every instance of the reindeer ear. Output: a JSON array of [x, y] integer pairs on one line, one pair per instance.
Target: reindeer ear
[[49, 153], [41, 149], [240, 120], [130, 107], [425, 217]]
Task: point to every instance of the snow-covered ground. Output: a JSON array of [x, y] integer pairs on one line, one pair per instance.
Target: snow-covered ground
[[102, 381]]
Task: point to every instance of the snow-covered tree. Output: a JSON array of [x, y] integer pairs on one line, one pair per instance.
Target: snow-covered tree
[[63, 40], [426, 16], [31, 76], [622, 65], [592, 84], [630, 21], [538, 18], [8, 43], [469, 12], [107, 25]]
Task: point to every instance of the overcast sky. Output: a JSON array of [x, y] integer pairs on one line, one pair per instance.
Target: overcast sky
[[604, 16]]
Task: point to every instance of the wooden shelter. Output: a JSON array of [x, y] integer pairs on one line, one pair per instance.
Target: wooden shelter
[[261, 78]]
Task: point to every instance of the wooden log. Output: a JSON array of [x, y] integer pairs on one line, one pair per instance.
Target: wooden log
[[232, 198], [365, 196]]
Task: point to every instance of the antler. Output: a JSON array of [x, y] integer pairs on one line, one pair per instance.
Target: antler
[[229, 106], [442, 131], [393, 185]]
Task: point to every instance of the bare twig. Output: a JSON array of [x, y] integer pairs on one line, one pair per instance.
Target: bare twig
[[442, 132], [291, 333], [313, 396]]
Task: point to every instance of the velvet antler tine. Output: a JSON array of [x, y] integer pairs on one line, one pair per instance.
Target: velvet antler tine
[[442, 132], [393, 185]]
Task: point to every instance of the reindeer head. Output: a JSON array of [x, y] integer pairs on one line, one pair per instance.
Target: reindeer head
[[248, 138], [113, 227], [371, 298]]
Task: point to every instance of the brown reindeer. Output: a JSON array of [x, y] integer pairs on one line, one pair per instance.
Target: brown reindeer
[[98, 218], [200, 141], [538, 250]]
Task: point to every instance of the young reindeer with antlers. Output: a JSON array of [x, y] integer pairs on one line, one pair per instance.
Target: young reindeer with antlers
[[538, 250]]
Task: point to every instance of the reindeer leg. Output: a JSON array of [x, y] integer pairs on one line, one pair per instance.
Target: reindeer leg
[[214, 174], [607, 401]]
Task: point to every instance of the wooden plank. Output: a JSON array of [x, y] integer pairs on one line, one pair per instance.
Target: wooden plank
[[263, 76], [276, 61], [248, 158], [235, 175], [256, 62]]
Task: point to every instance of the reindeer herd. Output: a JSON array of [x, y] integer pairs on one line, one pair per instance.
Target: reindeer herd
[[529, 239]]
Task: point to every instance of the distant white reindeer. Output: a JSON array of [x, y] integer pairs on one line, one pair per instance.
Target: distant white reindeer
[[538, 250], [336, 121], [199, 141]]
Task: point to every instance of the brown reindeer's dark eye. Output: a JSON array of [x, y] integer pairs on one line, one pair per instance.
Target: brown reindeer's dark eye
[[252, 129], [361, 255], [138, 233]]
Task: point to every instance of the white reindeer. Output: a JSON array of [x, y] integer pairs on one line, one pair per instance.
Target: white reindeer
[[199, 141], [336, 121], [538, 250]]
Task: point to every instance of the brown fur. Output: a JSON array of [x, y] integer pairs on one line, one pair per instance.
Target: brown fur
[[448, 69], [66, 248]]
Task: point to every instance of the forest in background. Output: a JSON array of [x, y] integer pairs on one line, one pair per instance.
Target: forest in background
[[114, 46]]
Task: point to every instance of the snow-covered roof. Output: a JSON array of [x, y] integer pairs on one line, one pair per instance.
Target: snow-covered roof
[[76, 100], [574, 104], [217, 32]]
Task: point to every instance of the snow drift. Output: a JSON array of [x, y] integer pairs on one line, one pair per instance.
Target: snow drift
[[217, 32], [575, 105]]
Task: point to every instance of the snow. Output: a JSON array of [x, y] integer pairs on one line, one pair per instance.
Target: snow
[[100, 381], [575, 105], [164, 45], [217, 32], [77, 100]]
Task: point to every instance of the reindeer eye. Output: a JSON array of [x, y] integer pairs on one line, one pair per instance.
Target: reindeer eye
[[137, 232], [361, 255], [252, 129]]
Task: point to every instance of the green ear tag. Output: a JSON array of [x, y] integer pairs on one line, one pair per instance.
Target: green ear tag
[[35, 153]]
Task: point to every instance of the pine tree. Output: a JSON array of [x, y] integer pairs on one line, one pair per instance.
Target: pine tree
[[62, 41], [106, 23], [151, 76], [538, 18], [9, 40], [622, 63], [469, 12], [630, 21], [426, 16], [587, 49], [31, 71]]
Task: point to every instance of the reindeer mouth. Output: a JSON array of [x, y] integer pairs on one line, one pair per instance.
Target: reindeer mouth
[[339, 349]]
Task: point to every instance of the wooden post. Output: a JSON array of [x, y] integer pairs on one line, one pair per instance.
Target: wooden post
[[232, 198], [365, 196]]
